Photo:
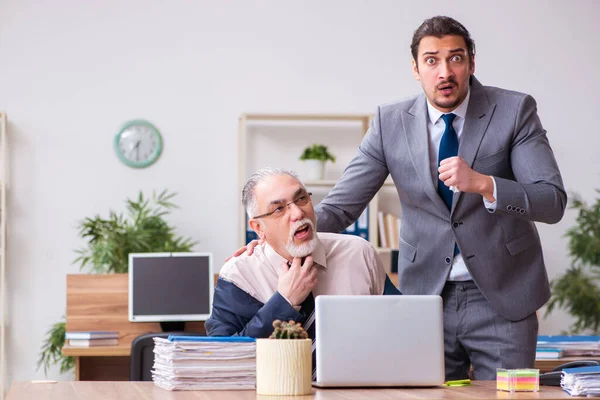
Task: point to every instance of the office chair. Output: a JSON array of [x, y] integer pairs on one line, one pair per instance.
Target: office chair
[[142, 354]]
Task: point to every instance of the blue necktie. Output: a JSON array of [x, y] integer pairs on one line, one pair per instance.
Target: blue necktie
[[448, 148]]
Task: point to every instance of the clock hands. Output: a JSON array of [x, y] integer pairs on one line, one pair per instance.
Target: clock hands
[[137, 150]]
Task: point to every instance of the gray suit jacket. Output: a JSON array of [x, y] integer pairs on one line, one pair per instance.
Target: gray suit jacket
[[503, 137]]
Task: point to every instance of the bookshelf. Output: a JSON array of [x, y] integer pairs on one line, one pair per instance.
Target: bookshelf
[[277, 140]]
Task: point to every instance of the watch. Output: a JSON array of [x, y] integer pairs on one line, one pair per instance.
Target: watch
[[138, 143]]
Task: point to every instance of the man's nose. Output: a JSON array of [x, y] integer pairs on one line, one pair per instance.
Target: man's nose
[[445, 70], [295, 211]]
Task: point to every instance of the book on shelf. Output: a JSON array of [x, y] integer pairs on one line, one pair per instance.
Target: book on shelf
[[389, 230], [568, 339], [360, 227], [93, 342], [548, 353], [394, 261], [382, 231], [91, 335], [572, 346]]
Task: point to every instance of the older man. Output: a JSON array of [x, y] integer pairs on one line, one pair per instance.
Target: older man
[[294, 264]]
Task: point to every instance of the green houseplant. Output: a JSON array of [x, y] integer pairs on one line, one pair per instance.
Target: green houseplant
[[317, 152], [315, 157], [109, 241], [578, 289], [284, 367]]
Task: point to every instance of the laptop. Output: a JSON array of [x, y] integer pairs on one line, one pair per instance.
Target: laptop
[[379, 341]]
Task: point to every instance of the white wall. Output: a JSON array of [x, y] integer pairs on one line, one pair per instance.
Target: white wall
[[71, 72]]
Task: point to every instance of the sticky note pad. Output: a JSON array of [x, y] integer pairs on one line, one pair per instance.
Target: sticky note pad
[[518, 380]]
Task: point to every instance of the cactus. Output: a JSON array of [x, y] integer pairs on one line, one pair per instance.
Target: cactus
[[288, 330]]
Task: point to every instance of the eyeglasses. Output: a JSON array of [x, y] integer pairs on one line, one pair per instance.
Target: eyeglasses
[[301, 200]]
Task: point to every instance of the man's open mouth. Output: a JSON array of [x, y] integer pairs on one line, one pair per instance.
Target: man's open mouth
[[302, 231], [446, 88]]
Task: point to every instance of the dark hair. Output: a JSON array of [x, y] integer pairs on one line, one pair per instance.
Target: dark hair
[[441, 26]]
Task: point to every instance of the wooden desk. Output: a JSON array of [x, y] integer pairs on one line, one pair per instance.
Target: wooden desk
[[110, 363], [147, 391]]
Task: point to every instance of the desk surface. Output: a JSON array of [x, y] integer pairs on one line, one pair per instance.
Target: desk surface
[[147, 391], [124, 350]]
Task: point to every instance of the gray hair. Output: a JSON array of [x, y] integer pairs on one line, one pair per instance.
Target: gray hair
[[248, 196]]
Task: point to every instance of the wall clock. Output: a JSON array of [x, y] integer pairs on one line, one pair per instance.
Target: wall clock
[[138, 143]]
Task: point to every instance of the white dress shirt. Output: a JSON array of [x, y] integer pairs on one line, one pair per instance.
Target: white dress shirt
[[346, 264], [435, 129]]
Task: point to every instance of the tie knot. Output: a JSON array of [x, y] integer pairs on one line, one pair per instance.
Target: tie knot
[[448, 118]]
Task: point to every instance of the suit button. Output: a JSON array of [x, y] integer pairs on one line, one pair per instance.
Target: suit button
[[455, 224], [509, 208], [522, 211], [448, 260]]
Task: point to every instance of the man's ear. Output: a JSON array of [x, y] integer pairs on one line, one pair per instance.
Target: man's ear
[[415, 68], [257, 227]]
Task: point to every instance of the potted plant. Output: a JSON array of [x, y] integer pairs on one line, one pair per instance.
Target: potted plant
[[578, 289], [315, 157], [109, 241], [284, 361]]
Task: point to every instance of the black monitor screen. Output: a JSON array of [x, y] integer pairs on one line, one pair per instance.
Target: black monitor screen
[[169, 285]]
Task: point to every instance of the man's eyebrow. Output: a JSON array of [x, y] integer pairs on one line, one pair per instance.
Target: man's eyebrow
[[457, 50], [298, 192], [276, 202]]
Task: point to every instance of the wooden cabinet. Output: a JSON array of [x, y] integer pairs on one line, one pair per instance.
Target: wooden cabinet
[[99, 302]]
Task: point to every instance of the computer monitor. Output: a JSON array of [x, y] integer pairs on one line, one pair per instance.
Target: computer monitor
[[170, 288]]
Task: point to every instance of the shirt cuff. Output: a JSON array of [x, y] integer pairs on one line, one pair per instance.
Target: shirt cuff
[[297, 308], [491, 207]]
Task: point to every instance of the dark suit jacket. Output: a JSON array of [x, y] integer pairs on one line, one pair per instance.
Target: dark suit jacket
[[236, 313], [503, 137]]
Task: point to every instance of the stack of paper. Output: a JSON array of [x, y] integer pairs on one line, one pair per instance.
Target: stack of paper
[[583, 381], [204, 363], [572, 346]]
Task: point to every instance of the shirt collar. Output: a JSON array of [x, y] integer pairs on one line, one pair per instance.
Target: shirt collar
[[460, 111], [276, 260]]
